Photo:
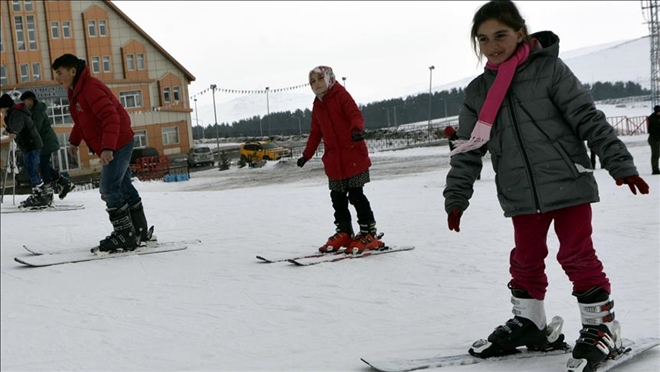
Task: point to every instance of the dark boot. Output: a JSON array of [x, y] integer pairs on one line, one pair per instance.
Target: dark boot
[[123, 237], [527, 328], [140, 221], [65, 185], [600, 337], [42, 197]]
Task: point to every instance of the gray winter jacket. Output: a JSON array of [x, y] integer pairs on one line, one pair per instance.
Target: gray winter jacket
[[537, 141]]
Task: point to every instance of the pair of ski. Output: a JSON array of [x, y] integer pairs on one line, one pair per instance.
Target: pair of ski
[[50, 208], [42, 259], [319, 258], [632, 350]]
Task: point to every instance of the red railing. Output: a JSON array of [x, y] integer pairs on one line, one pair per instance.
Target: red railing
[[151, 167], [628, 126]]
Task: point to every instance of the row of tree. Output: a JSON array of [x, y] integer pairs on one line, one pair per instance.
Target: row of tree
[[387, 113]]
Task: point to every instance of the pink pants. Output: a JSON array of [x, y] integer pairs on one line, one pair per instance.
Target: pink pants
[[576, 251]]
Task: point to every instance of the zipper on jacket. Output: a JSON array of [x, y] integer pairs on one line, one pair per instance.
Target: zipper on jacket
[[516, 128]]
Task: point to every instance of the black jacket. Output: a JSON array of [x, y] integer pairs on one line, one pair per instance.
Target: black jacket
[[654, 127], [19, 122]]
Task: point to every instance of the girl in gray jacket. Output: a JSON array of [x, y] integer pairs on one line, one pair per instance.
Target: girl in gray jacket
[[533, 116]]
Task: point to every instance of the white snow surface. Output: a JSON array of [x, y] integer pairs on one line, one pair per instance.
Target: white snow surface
[[213, 307]]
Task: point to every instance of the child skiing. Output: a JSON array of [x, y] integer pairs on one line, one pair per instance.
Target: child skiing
[[533, 116], [337, 120]]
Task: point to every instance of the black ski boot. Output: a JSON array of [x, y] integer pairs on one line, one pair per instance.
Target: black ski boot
[[65, 185], [600, 337], [527, 328], [140, 222], [42, 197], [123, 237]]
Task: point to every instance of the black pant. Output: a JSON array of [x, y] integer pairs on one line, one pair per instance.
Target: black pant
[[356, 197], [655, 154]]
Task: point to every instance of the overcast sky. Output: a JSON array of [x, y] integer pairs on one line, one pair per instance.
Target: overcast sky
[[383, 48]]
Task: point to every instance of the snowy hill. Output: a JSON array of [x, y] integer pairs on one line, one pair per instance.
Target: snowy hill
[[213, 307], [626, 60]]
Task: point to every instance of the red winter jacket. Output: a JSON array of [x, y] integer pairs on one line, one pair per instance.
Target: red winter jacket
[[99, 119], [333, 120]]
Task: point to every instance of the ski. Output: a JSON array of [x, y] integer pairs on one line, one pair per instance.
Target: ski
[[51, 208], [85, 256], [342, 256], [631, 350], [311, 255], [149, 243]]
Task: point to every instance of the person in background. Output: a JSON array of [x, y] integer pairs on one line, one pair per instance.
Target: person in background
[[19, 126], [337, 120], [653, 122], [102, 122], [533, 115], [51, 144]]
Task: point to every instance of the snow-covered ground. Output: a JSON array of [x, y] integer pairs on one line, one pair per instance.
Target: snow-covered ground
[[213, 307]]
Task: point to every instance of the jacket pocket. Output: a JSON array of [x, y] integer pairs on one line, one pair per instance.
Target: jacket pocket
[[567, 159]]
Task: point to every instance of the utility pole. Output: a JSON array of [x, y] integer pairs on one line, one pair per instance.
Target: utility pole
[[268, 109], [431, 68], [651, 9], [215, 114]]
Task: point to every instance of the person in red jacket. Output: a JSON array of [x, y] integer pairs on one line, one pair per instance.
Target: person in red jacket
[[337, 120], [103, 123]]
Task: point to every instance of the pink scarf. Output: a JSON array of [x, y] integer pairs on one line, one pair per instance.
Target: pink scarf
[[494, 98]]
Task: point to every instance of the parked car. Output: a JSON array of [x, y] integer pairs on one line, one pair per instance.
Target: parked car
[[143, 152], [255, 151], [200, 155]]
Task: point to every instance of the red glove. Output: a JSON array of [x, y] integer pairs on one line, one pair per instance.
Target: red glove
[[632, 182], [454, 220]]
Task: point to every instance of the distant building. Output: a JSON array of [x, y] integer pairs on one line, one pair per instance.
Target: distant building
[[149, 82]]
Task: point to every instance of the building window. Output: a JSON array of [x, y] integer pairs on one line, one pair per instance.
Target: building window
[[66, 29], [170, 135], [16, 5], [96, 65], [28, 6], [91, 28], [62, 159], [103, 29], [130, 62], [175, 94], [166, 95], [140, 61], [2, 48], [36, 71], [3, 75], [140, 139], [106, 63], [25, 77], [131, 99], [55, 30], [32, 32], [20, 34], [58, 109]]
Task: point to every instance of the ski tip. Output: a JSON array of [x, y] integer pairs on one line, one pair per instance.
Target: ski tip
[[262, 259]]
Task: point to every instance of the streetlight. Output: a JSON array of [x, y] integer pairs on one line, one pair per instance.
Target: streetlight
[[215, 114], [344, 80], [197, 117], [431, 68], [268, 109]]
